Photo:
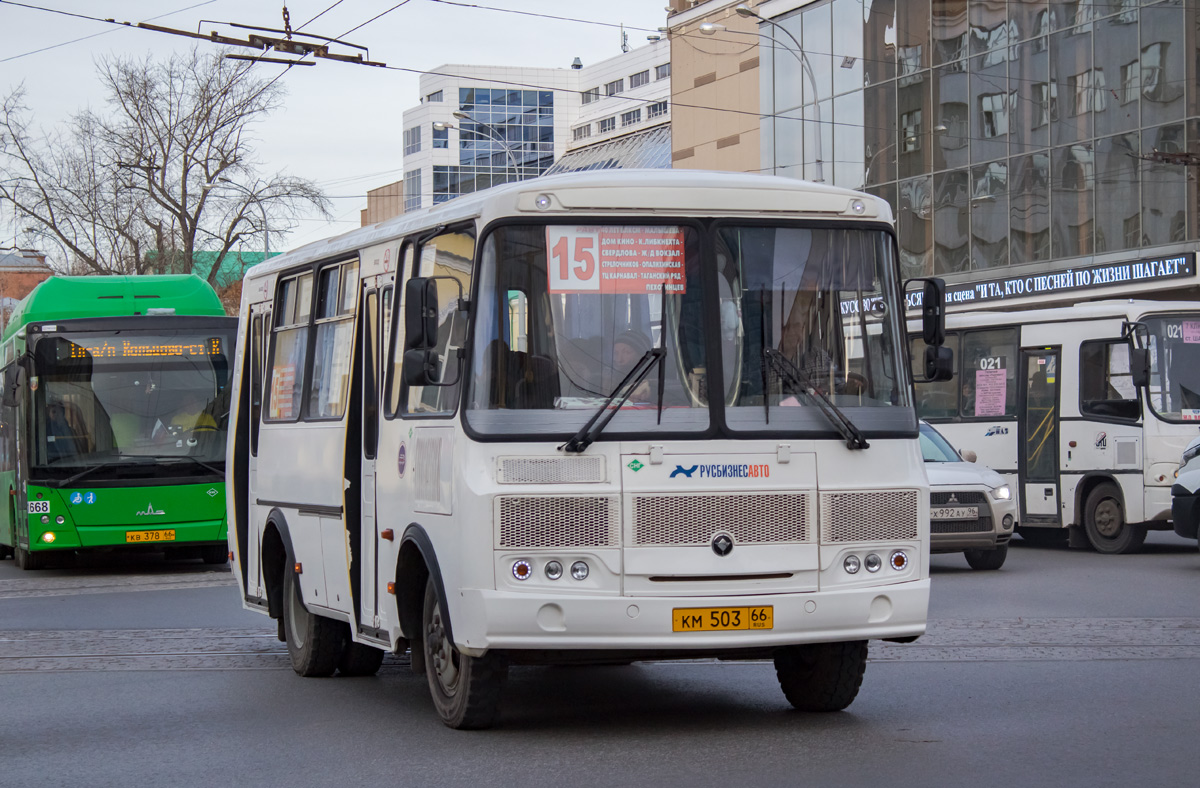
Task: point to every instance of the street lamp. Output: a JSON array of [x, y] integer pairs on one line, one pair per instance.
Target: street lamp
[[744, 10], [255, 199], [490, 132]]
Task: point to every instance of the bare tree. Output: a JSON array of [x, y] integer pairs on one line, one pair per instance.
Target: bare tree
[[167, 171]]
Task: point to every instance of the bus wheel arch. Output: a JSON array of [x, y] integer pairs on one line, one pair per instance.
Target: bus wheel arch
[[417, 563], [275, 552]]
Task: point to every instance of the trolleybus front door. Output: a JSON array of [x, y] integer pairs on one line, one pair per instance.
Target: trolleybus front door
[[1039, 435]]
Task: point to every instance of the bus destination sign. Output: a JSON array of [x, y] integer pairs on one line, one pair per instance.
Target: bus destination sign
[[127, 348]]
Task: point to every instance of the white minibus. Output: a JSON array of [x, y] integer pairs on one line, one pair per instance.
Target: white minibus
[[590, 418]]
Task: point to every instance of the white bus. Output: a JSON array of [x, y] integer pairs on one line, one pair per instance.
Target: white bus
[[1049, 398], [611, 416]]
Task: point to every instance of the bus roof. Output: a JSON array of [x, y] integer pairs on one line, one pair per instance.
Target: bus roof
[[615, 192], [1125, 308], [70, 297]]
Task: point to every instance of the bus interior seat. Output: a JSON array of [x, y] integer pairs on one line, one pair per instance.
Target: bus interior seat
[[538, 387]]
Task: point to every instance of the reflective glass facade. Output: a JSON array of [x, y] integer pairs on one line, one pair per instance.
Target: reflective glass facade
[[1002, 132], [509, 137]]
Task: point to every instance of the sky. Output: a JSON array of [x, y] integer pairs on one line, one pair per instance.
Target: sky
[[340, 125]]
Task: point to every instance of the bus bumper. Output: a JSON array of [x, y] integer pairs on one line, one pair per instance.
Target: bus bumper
[[66, 537], [508, 620]]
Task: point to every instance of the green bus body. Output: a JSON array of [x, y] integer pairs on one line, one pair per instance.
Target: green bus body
[[113, 423]]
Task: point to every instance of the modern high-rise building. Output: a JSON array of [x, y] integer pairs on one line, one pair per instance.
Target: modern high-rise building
[[1013, 139]]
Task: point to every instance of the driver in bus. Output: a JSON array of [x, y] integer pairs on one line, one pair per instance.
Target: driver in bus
[[628, 348]]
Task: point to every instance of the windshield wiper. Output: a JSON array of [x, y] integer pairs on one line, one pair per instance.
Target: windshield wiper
[[608, 409], [797, 377], [67, 482], [207, 466]]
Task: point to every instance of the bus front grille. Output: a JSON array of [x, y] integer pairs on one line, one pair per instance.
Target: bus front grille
[[532, 521], [869, 516], [691, 519]]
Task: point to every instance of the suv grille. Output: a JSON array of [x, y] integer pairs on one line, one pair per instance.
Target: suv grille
[[983, 524]]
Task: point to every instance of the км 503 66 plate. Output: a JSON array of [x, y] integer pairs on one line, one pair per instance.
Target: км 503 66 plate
[[719, 619]]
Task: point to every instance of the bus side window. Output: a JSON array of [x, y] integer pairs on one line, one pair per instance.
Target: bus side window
[[256, 380], [337, 294], [938, 399], [449, 257], [289, 348], [988, 385], [395, 322], [1105, 383]]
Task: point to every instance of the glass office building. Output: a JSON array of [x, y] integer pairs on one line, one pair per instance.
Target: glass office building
[[1004, 134], [508, 136]]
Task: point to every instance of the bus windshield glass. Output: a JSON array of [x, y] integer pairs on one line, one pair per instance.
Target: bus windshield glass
[[1174, 343], [566, 311], [126, 398], [807, 312]]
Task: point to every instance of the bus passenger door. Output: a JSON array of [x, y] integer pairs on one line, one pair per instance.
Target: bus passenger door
[[1039, 415], [368, 608], [256, 515]]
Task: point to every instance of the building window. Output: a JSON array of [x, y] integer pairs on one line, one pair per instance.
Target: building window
[[639, 79], [663, 71], [614, 87], [581, 132], [1130, 81], [412, 190], [1088, 91], [607, 125], [656, 110], [435, 96], [412, 140], [590, 95], [910, 127], [631, 117], [1041, 103], [994, 109], [440, 137]]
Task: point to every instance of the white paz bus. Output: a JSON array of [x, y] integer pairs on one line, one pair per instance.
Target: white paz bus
[[1084, 409], [600, 417]]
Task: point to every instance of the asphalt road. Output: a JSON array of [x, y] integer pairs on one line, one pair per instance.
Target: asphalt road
[[1063, 668]]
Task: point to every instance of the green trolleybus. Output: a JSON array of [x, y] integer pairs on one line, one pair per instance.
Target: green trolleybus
[[113, 415]]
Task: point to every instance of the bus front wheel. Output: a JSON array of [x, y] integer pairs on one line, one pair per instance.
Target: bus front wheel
[[1104, 522], [314, 643], [466, 690], [821, 676], [28, 560]]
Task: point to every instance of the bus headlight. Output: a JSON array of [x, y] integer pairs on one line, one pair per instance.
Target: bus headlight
[[553, 570], [1002, 493], [851, 564], [579, 570], [45, 518], [49, 537], [873, 563]]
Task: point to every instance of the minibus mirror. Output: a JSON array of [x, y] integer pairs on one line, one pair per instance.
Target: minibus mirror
[[420, 367], [1139, 366], [933, 313], [939, 364], [14, 381], [420, 314]]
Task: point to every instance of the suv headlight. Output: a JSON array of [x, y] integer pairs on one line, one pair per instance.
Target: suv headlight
[[1002, 493]]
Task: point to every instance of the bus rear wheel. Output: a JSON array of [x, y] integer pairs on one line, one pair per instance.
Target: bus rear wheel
[[1104, 522], [466, 690], [821, 676], [314, 643]]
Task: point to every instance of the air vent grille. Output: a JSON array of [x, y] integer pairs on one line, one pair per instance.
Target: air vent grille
[[690, 519], [869, 516], [550, 470], [527, 521]]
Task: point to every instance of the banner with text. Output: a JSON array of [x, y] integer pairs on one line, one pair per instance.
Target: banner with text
[[598, 259]]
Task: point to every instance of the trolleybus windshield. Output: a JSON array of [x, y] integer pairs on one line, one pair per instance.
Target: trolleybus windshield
[[118, 399]]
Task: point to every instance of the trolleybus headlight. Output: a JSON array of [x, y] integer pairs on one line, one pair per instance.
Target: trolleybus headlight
[[48, 537], [521, 570], [579, 570], [45, 518], [873, 563], [1002, 493], [851, 564], [553, 570], [60, 519], [899, 560]]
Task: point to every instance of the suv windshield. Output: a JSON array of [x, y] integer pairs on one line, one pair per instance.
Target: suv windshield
[[122, 398], [935, 448], [1174, 343]]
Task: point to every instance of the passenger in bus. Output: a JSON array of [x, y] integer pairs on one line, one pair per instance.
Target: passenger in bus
[[190, 420]]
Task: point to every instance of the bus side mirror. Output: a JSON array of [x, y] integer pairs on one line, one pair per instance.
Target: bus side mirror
[[939, 364], [420, 315], [933, 313], [1139, 366], [420, 367], [14, 381]]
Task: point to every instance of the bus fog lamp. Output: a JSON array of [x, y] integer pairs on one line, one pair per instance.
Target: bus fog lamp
[[554, 570], [49, 537], [899, 560], [873, 563], [579, 570], [521, 570], [851, 564]]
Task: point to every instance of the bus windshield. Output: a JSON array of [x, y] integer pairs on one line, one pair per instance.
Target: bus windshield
[[565, 311], [125, 398], [1174, 343]]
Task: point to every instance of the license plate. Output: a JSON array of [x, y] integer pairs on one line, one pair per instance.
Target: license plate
[[139, 537], [954, 513], [720, 619]]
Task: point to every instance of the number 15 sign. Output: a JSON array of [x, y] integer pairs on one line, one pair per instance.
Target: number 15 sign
[[602, 259]]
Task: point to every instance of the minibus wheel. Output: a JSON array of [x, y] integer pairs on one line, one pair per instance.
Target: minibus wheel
[[314, 643], [466, 690], [821, 676], [1104, 522]]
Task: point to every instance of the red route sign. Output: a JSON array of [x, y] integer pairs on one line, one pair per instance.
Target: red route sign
[[598, 259]]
